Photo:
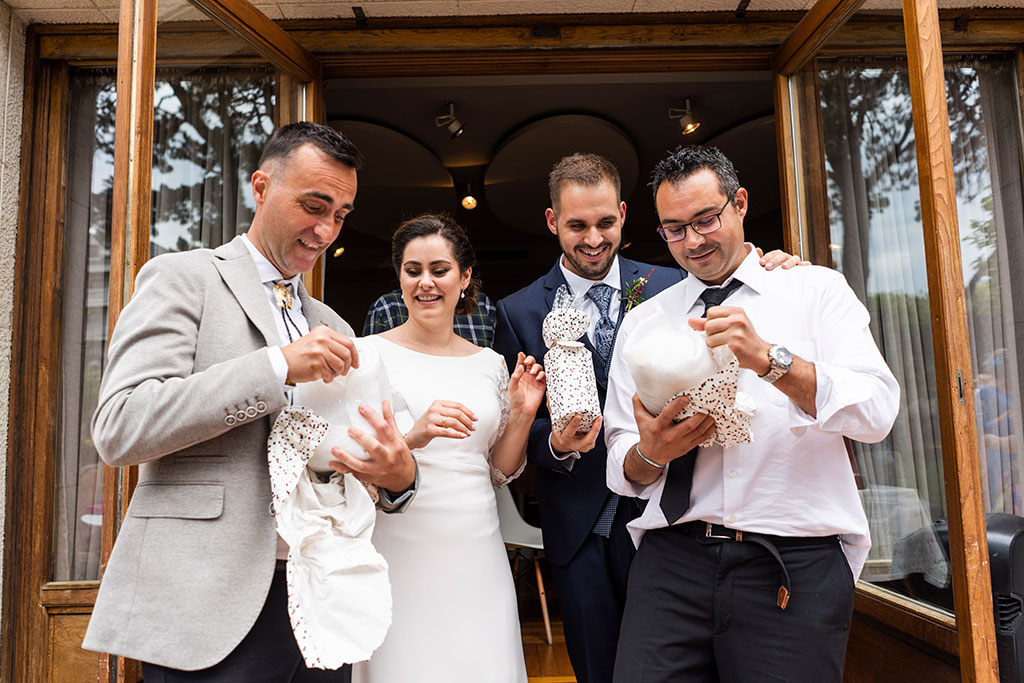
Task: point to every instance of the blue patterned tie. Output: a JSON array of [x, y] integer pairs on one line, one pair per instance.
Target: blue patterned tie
[[604, 332], [675, 497], [604, 341]]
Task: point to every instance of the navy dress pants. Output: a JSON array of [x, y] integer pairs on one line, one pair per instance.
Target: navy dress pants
[[706, 610], [592, 591], [267, 654]]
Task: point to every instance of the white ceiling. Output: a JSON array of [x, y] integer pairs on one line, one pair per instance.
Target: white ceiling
[[105, 11]]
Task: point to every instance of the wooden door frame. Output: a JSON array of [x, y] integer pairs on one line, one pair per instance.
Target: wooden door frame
[[501, 47]]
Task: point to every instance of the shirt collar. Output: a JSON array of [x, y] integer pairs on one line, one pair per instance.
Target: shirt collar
[[266, 269], [581, 285], [750, 272]]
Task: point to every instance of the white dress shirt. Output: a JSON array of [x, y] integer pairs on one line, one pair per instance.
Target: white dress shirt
[[269, 275], [795, 478], [579, 286]]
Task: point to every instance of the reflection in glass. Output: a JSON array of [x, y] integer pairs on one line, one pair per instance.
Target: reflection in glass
[[877, 242], [210, 126]]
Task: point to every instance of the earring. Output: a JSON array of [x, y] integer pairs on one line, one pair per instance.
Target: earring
[[463, 295]]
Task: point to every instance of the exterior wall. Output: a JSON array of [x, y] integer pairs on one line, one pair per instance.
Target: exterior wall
[[12, 72]]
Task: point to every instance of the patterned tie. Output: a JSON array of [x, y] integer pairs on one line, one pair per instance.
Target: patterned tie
[[604, 332], [604, 341], [675, 497]]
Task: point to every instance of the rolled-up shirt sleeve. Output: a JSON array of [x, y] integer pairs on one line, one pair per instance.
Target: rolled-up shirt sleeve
[[620, 431], [856, 395]]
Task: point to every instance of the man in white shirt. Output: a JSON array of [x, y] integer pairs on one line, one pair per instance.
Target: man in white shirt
[[746, 556], [201, 360]]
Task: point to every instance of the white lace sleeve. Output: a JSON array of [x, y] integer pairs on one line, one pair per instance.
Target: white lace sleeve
[[498, 477]]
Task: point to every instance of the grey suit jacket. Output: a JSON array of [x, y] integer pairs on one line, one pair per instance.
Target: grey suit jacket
[[189, 394]]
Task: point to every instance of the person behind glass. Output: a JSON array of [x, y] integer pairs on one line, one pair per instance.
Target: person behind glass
[[584, 524], [477, 326], [201, 360], [455, 618], [747, 556]]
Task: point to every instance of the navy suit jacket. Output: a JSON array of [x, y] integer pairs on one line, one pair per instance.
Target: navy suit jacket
[[570, 500]]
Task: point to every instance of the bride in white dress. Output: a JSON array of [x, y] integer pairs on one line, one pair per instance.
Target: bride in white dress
[[455, 618]]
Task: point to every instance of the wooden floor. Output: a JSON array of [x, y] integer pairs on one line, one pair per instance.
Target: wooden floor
[[546, 663]]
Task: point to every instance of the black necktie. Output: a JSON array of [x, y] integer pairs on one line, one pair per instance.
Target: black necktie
[[675, 497]]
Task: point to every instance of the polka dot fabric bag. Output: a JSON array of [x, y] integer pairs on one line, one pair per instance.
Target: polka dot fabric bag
[[569, 365]]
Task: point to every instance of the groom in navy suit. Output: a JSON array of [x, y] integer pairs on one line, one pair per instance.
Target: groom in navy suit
[[585, 537]]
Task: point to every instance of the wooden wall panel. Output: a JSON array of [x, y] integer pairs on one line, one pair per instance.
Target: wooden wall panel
[[67, 662], [874, 655]]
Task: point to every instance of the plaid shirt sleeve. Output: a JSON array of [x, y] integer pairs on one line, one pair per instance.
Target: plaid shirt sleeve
[[478, 326], [386, 312]]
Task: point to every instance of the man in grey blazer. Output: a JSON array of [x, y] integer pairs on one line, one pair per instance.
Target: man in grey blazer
[[201, 361]]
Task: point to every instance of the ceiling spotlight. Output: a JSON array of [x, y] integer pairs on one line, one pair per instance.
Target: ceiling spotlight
[[449, 122], [687, 122], [468, 200]]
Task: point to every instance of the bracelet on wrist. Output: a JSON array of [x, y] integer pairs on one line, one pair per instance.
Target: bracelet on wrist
[[647, 460]]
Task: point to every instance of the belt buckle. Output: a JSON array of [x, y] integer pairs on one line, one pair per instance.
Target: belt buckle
[[707, 534]]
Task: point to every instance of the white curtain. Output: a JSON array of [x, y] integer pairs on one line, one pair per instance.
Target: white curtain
[[876, 234]]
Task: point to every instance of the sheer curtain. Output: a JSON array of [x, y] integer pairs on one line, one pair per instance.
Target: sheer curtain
[[210, 126], [876, 240]]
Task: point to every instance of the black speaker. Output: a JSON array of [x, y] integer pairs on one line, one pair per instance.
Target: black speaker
[[1006, 561]]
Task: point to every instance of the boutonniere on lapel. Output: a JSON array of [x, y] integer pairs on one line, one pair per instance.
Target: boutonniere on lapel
[[634, 293]]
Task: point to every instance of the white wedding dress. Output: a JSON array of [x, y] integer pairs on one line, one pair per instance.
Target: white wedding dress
[[455, 618]]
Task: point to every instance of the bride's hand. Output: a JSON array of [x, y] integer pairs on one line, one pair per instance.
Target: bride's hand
[[448, 419], [526, 386]]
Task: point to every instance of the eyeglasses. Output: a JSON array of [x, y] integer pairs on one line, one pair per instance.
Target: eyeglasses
[[701, 226]]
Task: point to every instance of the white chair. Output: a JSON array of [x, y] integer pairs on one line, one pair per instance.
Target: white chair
[[517, 534]]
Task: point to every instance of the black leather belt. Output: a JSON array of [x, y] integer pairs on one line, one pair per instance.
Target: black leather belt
[[701, 529]]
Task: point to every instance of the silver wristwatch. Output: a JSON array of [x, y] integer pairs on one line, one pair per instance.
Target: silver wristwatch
[[781, 360]]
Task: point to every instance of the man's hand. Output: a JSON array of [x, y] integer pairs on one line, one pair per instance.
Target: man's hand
[[730, 326], [390, 464], [779, 258], [570, 439], [662, 440], [448, 419], [321, 354]]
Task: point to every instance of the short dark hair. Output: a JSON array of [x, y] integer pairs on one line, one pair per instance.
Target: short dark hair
[[333, 143], [428, 224], [582, 169], [687, 160]]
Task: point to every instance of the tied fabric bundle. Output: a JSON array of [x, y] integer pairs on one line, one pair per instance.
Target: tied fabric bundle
[[339, 594], [667, 358], [569, 365]]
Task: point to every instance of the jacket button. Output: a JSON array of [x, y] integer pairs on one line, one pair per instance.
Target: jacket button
[[230, 420], [272, 511], [240, 415], [261, 407], [251, 412]]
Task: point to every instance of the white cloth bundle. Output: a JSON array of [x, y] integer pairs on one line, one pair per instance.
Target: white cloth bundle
[[666, 358], [569, 365], [338, 403], [339, 595]]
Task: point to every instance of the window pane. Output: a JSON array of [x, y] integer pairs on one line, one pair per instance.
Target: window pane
[[877, 242], [210, 126]]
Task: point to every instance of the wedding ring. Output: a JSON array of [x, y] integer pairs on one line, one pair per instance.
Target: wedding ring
[[444, 421]]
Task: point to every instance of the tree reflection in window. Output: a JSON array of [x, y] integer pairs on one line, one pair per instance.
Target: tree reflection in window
[[877, 242], [210, 125]]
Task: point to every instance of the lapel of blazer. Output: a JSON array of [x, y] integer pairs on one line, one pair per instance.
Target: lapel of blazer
[[238, 271], [310, 307]]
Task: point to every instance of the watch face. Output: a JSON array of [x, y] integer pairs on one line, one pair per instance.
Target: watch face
[[781, 356]]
